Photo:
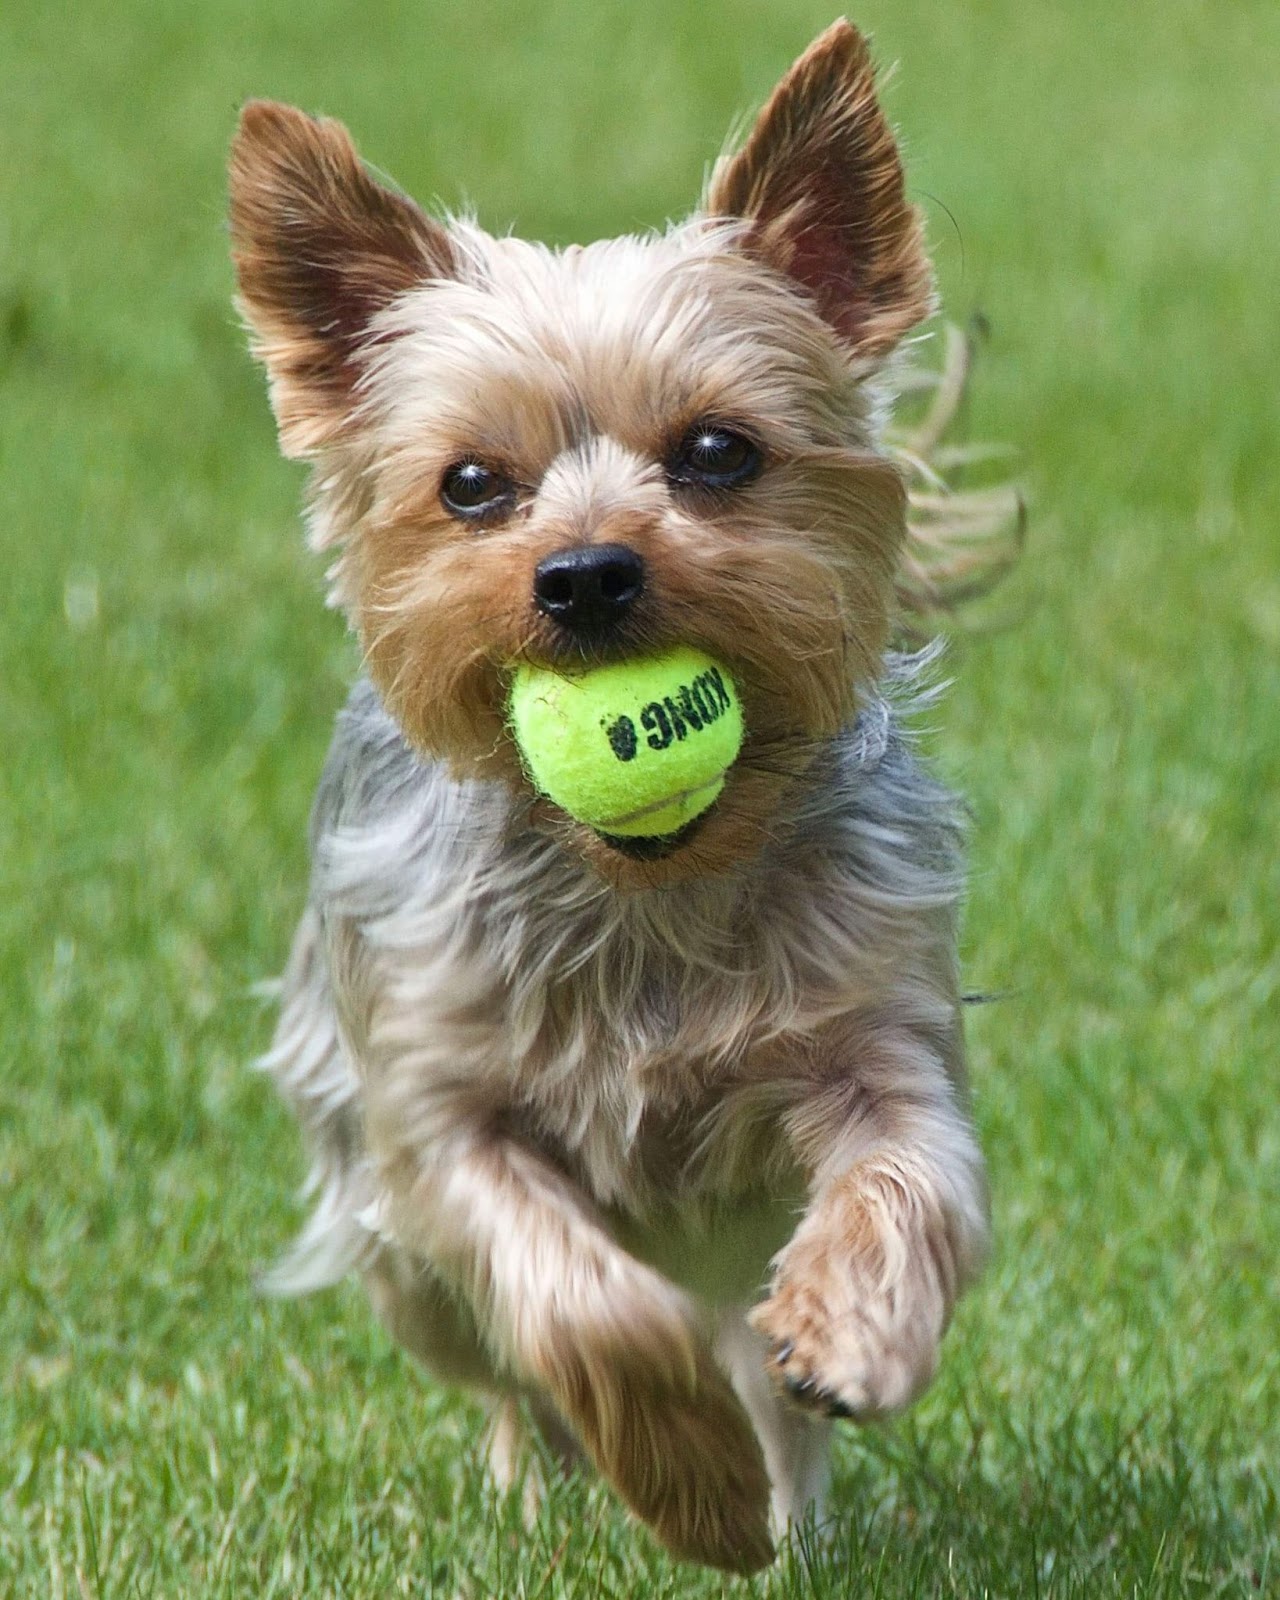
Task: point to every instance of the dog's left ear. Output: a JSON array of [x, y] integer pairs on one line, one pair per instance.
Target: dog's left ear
[[820, 182], [320, 248]]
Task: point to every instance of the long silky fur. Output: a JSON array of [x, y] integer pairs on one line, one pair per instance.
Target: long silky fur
[[445, 893]]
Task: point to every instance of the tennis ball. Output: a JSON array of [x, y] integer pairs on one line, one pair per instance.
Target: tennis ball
[[636, 748]]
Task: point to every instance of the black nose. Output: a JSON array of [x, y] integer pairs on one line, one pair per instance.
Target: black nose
[[588, 589]]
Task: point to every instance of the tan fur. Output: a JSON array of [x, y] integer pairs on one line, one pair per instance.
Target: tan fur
[[821, 181], [864, 1292], [616, 1349], [567, 1104], [319, 248]]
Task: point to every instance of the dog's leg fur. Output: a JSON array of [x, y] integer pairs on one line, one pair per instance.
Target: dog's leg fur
[[795, 1441], [897, 1224], [421, 1314], [516, 1427], [615, 1346], [439, 1331]]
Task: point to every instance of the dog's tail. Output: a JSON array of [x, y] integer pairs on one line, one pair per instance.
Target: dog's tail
[[961, 538]]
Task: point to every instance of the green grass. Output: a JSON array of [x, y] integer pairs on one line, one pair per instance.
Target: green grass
[[1107, 1420]]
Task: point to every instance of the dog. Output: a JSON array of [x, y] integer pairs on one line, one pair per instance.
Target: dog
[[663, 1145]]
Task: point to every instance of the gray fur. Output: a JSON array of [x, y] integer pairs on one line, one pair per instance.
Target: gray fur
[[432, 897]]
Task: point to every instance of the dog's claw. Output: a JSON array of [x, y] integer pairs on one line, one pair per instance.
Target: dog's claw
[[805, 1389]]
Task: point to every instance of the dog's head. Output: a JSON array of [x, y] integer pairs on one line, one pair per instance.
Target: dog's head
[[588, 454]]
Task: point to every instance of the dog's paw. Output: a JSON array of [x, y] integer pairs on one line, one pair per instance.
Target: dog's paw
[[844, 1340], [643, 1393], [684, 1458], [695, 1473]]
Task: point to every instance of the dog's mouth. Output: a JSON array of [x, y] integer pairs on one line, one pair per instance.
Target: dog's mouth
[[657, 847]]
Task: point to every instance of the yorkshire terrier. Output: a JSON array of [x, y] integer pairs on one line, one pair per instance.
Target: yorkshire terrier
[[662, 1145]]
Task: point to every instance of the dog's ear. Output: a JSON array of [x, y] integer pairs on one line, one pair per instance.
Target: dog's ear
[[319, 249], [820, 184]]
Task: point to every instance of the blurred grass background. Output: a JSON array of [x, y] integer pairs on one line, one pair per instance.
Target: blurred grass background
[[1101, 184]]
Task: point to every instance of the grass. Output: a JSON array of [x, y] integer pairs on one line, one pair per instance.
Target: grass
[[1101, 183]]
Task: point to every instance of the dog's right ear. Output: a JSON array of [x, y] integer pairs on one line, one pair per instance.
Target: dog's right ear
[[319, 248]]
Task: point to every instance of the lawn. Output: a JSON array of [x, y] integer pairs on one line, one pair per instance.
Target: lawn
[[1101, 184]]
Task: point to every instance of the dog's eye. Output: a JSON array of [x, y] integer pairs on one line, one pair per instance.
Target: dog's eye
[[716, 457], [470, 489]]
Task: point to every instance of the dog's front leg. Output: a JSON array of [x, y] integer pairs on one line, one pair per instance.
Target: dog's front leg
[[614, 1344], [897, 1221]]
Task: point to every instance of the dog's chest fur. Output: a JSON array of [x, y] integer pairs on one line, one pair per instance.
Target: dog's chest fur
[[477, 970]]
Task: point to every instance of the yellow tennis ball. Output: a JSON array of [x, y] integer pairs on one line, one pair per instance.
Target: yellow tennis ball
[[636, 748]]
